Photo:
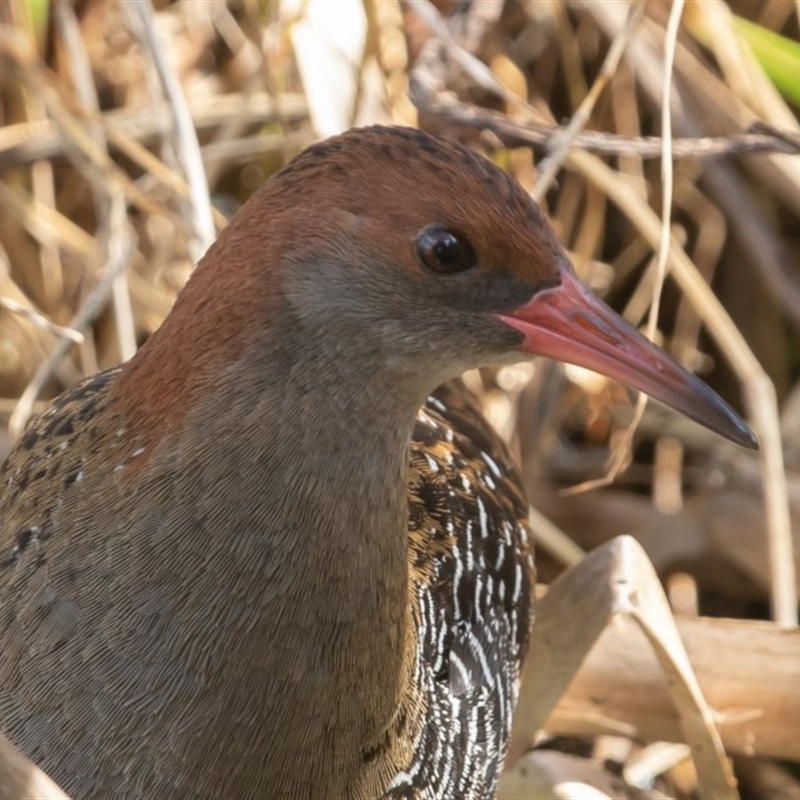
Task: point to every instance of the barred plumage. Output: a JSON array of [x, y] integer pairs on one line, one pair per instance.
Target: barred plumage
[[471, 576]]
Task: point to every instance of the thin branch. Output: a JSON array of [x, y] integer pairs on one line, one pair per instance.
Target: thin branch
[[429, 98], [40, 320], [92, 305], [23, 142], [110, 206], [185, 145], [549, 167]]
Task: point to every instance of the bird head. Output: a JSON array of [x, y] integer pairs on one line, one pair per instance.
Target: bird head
[[388, 249], [436, 261]]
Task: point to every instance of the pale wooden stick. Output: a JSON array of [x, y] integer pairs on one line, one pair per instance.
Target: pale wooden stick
[[22, 780]]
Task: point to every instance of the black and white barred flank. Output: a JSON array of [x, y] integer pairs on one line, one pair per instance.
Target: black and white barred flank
[[471, 579]]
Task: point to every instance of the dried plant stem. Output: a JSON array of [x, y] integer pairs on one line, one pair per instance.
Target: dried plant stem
[[185, 146], [469, 62], [23, 142], [620, 456], [92, 305], [426, 96], [40, 320], [111, 207], [758, 389], [550, 538], [565, 138]]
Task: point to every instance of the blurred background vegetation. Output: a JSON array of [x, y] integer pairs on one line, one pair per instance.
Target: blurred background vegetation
[[130, 132]]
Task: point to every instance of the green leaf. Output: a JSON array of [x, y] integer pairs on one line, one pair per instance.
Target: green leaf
[[779, 57]]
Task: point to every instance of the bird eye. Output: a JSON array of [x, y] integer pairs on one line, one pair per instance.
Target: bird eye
[[445, 251]]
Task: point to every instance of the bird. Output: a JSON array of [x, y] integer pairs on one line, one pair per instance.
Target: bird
[[267, 556]]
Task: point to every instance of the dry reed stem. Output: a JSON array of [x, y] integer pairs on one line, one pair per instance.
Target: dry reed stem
[[564, 140], [759, 392], [620, 454], [185, 147]]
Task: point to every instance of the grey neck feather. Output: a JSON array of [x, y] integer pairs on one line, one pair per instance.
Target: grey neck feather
[[320, 542]]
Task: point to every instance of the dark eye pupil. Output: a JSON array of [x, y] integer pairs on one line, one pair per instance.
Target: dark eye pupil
[[445, 251]]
